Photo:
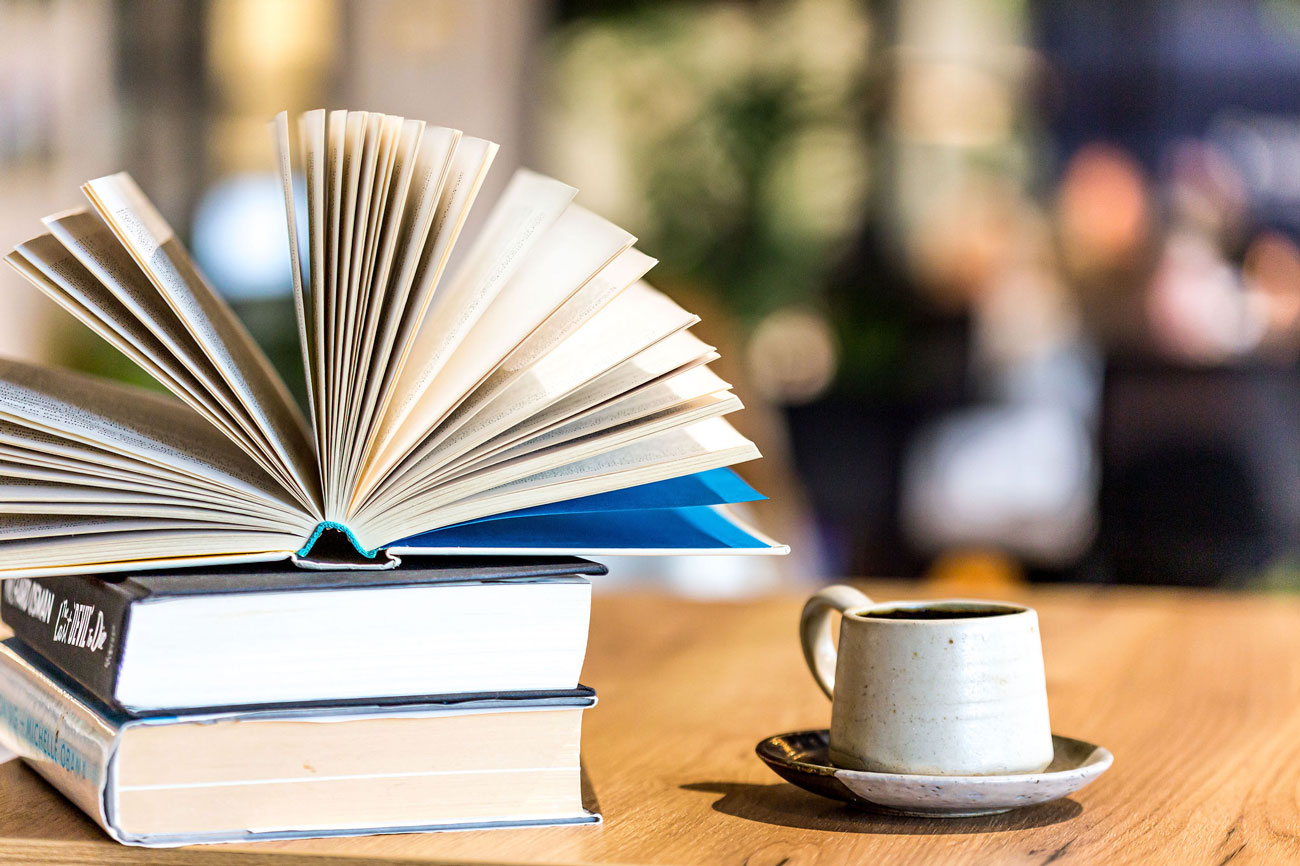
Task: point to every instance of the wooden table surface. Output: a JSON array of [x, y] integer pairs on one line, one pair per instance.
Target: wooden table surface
[[1197, 695]]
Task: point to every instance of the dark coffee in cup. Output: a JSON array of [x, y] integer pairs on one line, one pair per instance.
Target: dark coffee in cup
[[935, 612]]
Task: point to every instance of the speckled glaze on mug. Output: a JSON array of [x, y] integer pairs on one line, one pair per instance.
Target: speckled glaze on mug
[[964, 695]]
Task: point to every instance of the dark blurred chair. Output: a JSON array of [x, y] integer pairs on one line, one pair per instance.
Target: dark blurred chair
[[1200, 472]]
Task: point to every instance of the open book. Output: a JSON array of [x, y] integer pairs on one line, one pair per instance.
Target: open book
[[536, 397]]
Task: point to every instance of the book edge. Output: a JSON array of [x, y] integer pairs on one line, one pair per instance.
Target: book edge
[[172, 841]]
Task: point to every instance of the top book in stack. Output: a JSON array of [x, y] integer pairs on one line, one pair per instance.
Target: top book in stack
[[538, 397]]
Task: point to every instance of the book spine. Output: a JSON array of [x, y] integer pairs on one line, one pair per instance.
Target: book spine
[[57, 735], [78, 624]]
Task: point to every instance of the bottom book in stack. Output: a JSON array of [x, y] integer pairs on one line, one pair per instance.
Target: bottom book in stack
[[465, 761], [258, 702], [284, 771]]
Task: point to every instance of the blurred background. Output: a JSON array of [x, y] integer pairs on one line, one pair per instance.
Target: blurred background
[[1011, 290]]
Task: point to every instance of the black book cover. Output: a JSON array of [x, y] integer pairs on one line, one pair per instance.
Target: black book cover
[[78, 623]]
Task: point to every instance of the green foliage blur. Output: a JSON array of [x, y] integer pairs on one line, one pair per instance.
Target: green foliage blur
[[729, 137]]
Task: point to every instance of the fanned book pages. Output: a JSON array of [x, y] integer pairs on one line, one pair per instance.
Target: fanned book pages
[[538, 396]]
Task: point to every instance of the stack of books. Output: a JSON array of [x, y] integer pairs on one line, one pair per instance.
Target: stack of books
[[247, 703], [527, 396]]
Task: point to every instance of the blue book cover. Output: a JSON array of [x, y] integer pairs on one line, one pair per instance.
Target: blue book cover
[[686, 515]]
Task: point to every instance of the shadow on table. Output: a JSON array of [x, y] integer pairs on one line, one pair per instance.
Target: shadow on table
[[785, 805]]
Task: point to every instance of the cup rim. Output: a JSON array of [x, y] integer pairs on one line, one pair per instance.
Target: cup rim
[[1011, 609]]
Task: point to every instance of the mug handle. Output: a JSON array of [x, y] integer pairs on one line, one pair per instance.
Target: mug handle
[[815, 630]]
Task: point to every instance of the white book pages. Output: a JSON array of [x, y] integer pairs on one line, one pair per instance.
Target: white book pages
[[651, 387], [59, 450], [569, 254], [585, 438], [376, 302], [57, 273], [88, 562], [348, 133], [75, 471], [374, 206], [573, 252], [153, 245], [92, 242], [626, 268], [135, 422], [528, 207], [670, 453], [675, 354], [695, 384], [114, 551], [18, 527], [449, 171], [439, 172], [284, 160], [336, 140], [311, 141], [51, 268], [334, 248], [377, 156], [19, 496], [27, 471], [370, 164], [466, 169], [637, 318], [30, 496], [681, 451]]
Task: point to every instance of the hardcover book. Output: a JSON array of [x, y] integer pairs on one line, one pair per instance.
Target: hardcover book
[[241, 775], [264, 634], [457, 395]]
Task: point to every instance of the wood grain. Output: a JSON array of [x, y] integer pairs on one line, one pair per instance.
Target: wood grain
[[1196, 694]]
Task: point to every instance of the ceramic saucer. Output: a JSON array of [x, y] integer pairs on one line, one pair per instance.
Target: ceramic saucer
[[801, 759]]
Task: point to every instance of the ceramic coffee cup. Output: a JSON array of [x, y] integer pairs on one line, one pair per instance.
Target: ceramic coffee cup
[[950, 687]]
